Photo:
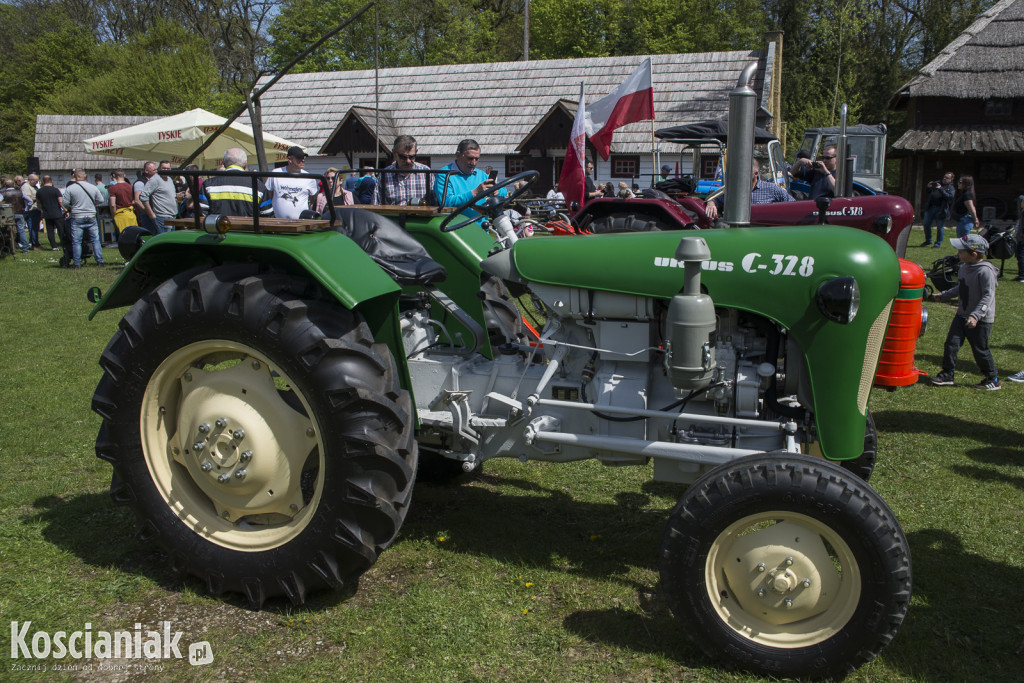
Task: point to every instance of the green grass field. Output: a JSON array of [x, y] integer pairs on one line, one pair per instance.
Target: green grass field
[[531, 572]]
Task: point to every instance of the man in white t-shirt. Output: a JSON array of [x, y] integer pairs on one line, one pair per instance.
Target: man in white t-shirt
[[292, 195]]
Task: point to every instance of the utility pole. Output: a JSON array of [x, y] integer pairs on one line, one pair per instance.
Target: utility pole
[[526, 30]]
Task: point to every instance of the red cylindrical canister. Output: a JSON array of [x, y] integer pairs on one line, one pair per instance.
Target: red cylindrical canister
[[896, 364]]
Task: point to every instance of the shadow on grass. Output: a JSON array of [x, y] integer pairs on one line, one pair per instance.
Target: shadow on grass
[[102, 535], [544, 527], [961, 625], [938, 424]]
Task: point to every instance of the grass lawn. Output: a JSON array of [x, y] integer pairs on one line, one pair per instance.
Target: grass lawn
[[531, 572]]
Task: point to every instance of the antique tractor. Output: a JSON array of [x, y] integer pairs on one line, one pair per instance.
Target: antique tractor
[[270, 393]]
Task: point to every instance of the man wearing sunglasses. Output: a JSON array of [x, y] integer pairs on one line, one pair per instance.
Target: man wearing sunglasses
[[402, 189], [821, 174]]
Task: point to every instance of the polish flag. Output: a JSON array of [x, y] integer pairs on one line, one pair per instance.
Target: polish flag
[[571, 181], [632, 101]]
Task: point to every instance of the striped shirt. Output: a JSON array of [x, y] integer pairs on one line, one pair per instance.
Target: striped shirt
[[229, 196]]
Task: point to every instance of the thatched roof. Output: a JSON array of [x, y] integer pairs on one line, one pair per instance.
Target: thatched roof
[[976, 138], [500, 103], [985, 61], [59, 138]]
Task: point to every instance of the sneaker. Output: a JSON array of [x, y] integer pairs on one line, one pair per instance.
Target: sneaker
[[926, 244], [1019, 279], [936, 245], [1017, 377], [943, 379], [989, 385]]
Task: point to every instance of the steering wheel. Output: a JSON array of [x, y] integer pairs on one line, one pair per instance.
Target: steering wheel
[[490, 209]]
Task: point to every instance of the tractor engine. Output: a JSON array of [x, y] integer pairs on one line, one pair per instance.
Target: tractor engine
[[616, 377]]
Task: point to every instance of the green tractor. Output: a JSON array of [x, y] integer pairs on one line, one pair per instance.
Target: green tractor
[[275, 387]]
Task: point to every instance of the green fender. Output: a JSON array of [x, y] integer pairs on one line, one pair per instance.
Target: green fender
[[771, 272], [332, 259]]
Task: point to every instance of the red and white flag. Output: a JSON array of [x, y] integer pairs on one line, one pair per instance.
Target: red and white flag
[[571, 181], [632, 101]]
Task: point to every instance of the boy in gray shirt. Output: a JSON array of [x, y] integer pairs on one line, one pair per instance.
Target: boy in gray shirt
[[975, 314]]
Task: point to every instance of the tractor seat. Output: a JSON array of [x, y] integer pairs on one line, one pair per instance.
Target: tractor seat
[[391, 247]]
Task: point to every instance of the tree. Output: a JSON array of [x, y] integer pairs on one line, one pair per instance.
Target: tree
[[403, 32]]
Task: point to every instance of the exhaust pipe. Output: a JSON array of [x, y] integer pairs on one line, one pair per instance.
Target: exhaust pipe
[[742, 113]]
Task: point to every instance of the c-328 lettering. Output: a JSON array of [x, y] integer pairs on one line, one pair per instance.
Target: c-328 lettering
[[778, 264]]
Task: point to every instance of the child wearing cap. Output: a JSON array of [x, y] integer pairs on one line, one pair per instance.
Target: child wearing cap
[[975, 314]]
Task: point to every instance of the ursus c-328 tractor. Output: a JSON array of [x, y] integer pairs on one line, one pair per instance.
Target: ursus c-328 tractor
[[267, 397]]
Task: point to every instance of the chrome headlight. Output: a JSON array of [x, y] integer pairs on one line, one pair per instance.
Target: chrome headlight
[[839, 299]]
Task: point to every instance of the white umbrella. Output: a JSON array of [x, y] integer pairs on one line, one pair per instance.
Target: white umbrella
[[175, 138]]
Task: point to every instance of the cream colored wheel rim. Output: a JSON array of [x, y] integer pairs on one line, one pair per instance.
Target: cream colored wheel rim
[[231, 446], [783, 579]]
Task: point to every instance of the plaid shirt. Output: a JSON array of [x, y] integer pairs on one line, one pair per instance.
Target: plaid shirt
[[402, 188], [768, 193]]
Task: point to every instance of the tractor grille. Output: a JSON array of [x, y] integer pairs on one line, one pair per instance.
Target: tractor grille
[[876, 337]]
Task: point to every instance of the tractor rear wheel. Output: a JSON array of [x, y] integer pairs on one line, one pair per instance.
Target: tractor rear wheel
[[257, 431], [786, 565]]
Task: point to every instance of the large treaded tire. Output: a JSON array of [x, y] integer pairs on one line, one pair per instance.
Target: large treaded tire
[[864, 464], [277, 381], [625, 222], [725, 574]]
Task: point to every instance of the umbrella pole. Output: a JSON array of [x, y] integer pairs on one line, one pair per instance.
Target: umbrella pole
[[255, 113]]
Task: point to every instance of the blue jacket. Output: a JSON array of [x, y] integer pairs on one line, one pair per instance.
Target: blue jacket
[[460, 185]]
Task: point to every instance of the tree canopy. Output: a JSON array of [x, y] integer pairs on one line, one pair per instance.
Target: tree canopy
[[158, 57]]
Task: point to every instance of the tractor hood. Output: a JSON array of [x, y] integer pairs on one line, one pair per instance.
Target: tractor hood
[[776, 274]]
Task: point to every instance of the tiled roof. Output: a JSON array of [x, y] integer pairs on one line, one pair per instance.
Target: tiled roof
[[499, 103], [59, 139]]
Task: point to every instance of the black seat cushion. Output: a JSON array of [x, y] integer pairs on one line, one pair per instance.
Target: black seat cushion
[[391, 247]]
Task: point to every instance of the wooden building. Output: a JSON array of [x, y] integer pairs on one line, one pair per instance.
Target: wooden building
[[521, 113], [58, 145], [965, 114]]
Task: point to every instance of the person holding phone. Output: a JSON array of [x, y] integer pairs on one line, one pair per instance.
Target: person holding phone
[[461, 180], [820, 173]]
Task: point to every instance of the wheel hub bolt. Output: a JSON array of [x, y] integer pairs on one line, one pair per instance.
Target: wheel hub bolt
[[188, 376], [199, 445], [255, 365], [204, 428], [761, 592], [760, 567], [239, 434], [246, 456], [206, 466], [310, 432], [294, 507], [788, 602], [223, 478], [221, 423], [789, 561], [807, 583], [240, 474]]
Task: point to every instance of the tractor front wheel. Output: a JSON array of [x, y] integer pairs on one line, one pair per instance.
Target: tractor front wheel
[[786, 565]]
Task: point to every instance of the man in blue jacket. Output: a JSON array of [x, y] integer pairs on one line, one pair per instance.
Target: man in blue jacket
[[461, 180]]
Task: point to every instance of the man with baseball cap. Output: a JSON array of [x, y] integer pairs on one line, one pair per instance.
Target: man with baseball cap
[[976, 288], [292, 195]]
